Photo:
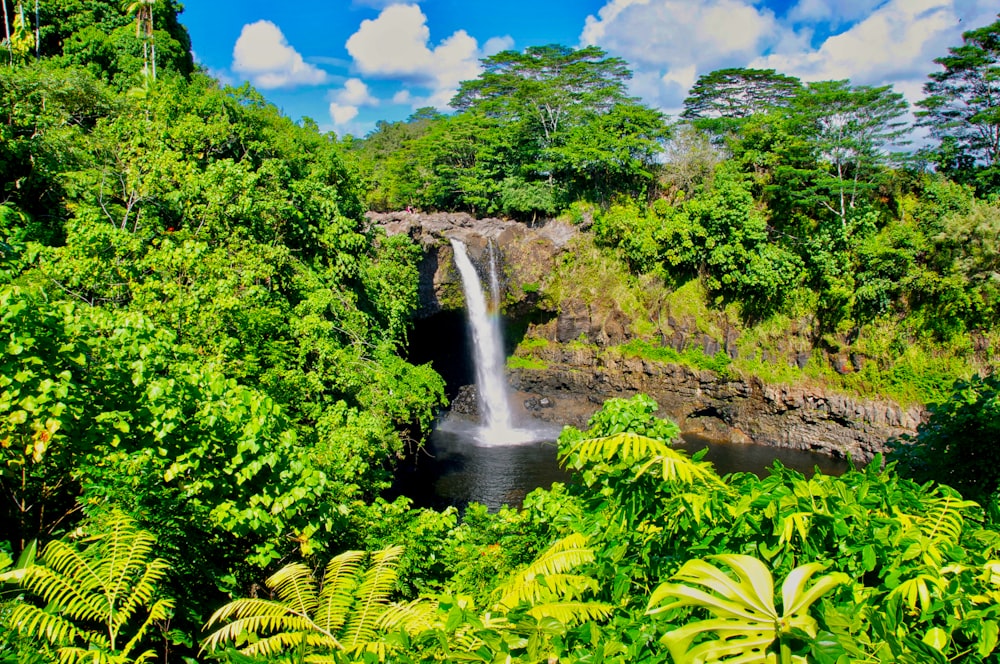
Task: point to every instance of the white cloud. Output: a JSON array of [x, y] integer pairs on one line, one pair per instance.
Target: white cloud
[[263, 55], [898, 41], [836, 12], [396, 45], [875, 41], [355, 93], [681, 39], [495, 45], [379, 4], [348, 100], [342, 113]]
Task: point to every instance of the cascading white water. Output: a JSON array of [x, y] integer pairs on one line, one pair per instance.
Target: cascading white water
[[494, 404]]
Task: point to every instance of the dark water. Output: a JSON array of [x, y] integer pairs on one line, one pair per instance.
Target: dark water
[[456, 471]]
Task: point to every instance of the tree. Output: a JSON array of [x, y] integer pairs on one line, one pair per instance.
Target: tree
[[549, 86], [143, 10], [614, 152], [849, 130], [720, 100], [567, 121], [957, 445], [962, 106]]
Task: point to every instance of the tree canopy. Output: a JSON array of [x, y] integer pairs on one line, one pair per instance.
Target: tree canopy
[[962, 106]]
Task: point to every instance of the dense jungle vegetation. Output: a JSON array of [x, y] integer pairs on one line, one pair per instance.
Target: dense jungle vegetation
[[203, 391]]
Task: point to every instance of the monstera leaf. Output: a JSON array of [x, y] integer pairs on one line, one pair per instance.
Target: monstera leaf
[[745, 624]]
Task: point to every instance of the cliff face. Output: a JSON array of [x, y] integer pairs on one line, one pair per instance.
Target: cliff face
[[737, 409], [577, 377]]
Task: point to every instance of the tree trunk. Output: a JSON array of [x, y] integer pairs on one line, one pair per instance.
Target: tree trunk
[[6, 29]]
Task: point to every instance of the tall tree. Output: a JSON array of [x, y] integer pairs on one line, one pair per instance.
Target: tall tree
[[719, 100], [852, 129], [962, 107], [548, 85]]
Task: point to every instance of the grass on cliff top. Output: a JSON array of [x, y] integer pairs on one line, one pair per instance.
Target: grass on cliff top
[[596, 276], [526, 362], [693, 356]]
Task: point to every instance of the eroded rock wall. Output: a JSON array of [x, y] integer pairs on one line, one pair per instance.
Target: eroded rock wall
[[579, 379]]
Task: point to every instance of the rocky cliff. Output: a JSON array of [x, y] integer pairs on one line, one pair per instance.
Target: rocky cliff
[[738, 409]]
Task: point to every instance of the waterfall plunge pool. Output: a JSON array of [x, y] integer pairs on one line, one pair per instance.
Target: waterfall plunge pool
[[456, 470]]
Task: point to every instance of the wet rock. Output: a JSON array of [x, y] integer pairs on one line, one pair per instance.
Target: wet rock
[[466, 401]]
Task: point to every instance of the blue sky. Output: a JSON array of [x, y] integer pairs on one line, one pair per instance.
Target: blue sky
[[350, 63]]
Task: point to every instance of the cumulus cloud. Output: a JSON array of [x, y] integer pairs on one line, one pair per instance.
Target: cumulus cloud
[[871, 41], [356, 93], [897, 41], [495, 45], [681, 39], [342, 113], [379, 4], [347, 101], [396, 45], [832, 11], [263, 55]]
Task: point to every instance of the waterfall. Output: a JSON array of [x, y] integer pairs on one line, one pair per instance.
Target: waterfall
[[494, 404]]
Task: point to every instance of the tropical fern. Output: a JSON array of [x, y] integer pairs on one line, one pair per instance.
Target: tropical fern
[[745, 621], [549, 587], [340, 615], [113, 583]]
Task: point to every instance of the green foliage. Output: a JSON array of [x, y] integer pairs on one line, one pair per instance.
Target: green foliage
[[338, 614], [101, 603], [956, 444], [536, 131], [692, 357], [719, 101], [530, 363], [744, 620]]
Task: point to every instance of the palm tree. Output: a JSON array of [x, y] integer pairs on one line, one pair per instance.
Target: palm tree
[[143, 10], [316, 618]]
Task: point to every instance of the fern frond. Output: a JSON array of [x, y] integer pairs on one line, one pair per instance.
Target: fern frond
[[675, 466], [128, 550], [541, 588], [572, 613], [65, 593], [337, 595], [260, 625], [143, 590], [412, 617], [295, 586], [372, 596], [160, 611], [564, 555], [66, 561], [276, 644], [33, 622], [943, 521]]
